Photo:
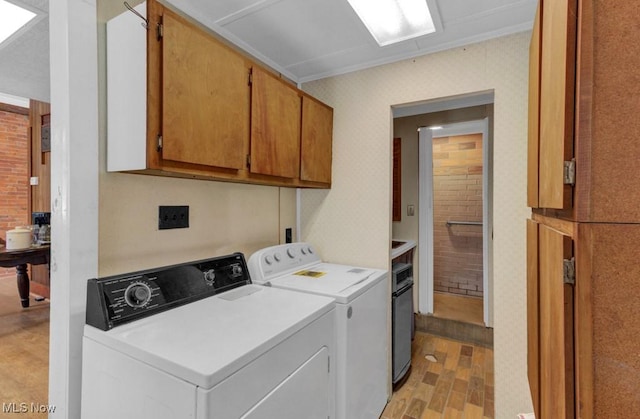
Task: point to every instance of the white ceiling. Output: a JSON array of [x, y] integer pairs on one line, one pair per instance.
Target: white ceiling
[[303, 39], [312, 39]]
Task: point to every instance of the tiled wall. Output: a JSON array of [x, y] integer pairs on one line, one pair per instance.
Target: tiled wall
[[14, 181], [457, 196], [351, 223]]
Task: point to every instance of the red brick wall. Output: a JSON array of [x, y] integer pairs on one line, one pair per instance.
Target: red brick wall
[[14, 175], [457, 185]]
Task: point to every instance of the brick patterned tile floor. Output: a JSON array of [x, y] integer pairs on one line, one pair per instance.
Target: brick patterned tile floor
[[459, 384]]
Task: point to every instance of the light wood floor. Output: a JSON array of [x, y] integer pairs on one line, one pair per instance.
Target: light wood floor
[[24, 350], [457, 307], [459, 384]]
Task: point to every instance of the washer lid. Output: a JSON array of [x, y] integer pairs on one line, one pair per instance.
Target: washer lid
[[208, 340], [342, 282]]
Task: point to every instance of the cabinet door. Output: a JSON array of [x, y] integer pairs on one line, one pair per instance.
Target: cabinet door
[[275, 126], [534, 112], [317, 132], [205, 97], [557, 69], [533, 320], [556, 326]]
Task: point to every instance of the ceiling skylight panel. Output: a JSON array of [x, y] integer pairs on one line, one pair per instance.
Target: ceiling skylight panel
[[391, 21], [12, 18]]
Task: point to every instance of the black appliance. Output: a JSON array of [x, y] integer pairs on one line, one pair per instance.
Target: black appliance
[[119, 299], [402, 318]]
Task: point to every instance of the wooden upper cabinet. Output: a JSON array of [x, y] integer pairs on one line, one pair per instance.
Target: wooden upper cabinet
[[588, 97], [183, 103], [317, 134], [275, 126], [557, 87], [556, 22], [205, 97]]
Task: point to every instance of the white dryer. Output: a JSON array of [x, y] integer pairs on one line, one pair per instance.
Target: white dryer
[[362, 298], [198, 341]]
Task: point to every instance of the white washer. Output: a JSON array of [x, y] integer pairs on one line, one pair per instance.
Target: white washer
[[240, 351], [362, 299]]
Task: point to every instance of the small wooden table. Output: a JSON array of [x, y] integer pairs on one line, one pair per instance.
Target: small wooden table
[[35, 255]]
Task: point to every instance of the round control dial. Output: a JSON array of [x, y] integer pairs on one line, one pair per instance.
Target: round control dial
[[277, 257], [209, 276], [236, 270], [291, 253], [137, 294]]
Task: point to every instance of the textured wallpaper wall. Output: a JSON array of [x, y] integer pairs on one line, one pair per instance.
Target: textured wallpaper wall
[[351, 223]]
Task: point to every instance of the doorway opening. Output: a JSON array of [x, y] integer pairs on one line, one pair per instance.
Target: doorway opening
[[456, 220], [24, 310], [450, 169]]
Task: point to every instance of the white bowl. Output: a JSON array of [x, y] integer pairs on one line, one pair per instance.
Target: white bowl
[[18, 238]]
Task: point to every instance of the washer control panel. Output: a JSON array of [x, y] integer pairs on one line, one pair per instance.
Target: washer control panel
[[115, 300], [274, 261]]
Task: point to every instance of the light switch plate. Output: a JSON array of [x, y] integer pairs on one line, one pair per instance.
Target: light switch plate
[[34, 181], [410, 210]]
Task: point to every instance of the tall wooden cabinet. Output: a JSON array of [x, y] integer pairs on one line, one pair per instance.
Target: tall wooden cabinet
[[583, 240]]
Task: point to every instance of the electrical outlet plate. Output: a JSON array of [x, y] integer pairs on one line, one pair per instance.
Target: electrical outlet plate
[[176, 216], [288, 235]]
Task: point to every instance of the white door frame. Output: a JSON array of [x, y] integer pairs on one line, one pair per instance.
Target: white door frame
[[425, 222], [74, 193]]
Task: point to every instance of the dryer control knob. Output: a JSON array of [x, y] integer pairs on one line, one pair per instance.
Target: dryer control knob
[[304, 251], [210, 276], [310, 250], [137, 294], [277, 257], [268, 260], [291, 253], [236, 270]]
